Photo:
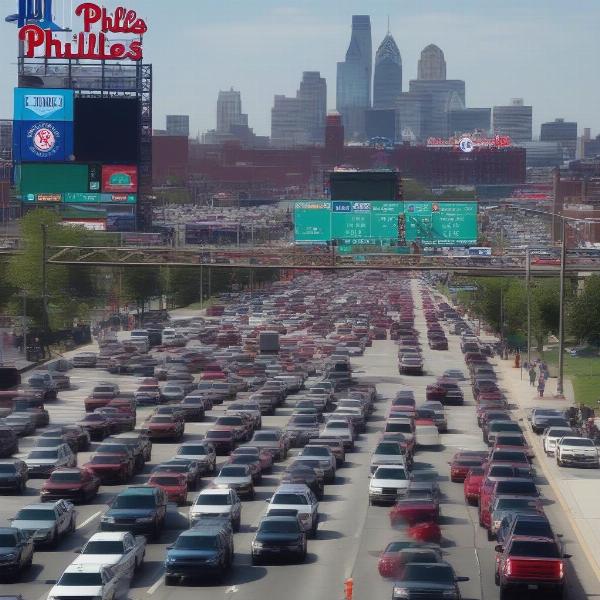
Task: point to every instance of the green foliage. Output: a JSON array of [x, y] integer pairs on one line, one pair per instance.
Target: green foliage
[[584, 312], [141, 284]]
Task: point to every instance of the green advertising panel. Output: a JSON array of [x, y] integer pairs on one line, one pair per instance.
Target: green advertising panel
[[52, 178], [365, 222]]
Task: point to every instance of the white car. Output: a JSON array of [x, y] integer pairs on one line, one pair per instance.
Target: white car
[[95, 582], [387, 452], [120, 550], [217, 502], [551, 437], [42, 462], [342, 429], [577, 452], [427, 436], [388, 483], [168, 336], [298, 497], [237, 477]]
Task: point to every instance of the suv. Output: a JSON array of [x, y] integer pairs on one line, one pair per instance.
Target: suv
[[300, 498], [139, 509], [578, 452], [9, 442], [13, 475], [201, 451], [217, 502]]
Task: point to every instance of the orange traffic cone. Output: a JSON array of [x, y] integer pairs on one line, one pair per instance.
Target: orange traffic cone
[[348, 588]]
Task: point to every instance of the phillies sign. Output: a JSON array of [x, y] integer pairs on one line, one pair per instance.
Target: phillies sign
[[467, 143], [92, 43]]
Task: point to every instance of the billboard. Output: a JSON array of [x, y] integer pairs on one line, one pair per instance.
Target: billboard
[[120, 179], [33, 104], [39, 178], [350, 222], [43, 141], [90, 224], [92, 198]]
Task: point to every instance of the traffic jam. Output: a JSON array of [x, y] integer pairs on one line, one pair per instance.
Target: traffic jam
[[181, 434]]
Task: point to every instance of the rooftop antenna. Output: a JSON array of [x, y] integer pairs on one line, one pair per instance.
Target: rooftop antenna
[[388, 32]]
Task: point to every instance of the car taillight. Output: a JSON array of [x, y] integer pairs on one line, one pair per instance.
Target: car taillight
[[561, 569], [508, 567]]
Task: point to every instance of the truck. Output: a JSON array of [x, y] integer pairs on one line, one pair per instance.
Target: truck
[[268, 342], [527, 563]]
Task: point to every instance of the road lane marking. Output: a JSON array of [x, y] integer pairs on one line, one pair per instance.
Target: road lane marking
[[155, 586], [89, 520], [232, 590]]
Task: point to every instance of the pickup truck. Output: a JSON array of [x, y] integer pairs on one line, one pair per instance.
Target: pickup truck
[[530, 564], [120, 550]]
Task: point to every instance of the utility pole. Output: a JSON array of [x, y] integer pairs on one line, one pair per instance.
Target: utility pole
[[45, 318], [24, 323], [209, 283], [201, 288], [561, 321], [528, 291]]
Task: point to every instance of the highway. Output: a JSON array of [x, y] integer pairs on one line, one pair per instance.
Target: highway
[[351, 533]]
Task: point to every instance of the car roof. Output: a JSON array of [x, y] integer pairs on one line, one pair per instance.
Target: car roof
[[85, 568], [139, 490], [112, 535], [292, 487], [220, 491]]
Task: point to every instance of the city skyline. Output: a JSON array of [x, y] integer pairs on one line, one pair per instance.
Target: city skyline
[[279, 43]]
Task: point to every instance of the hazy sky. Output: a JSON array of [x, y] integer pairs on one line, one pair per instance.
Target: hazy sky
[[546, 51]]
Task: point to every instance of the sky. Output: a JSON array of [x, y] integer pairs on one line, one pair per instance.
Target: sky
[[545, 51]]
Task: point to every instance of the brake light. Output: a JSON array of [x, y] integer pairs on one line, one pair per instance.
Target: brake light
[[508, 567], [561, 569]]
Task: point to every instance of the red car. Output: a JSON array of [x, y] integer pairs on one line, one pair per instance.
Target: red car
[[512, 443], [212, 375], [425, 531], [98, 426], [77, 485], [415, 508], [264, 456], [122, 421], [472, 485], [517, 486], [222, 439], [397, 554], [237, 424], [174, 484], [161, 427], [462, 462], [110, 468]]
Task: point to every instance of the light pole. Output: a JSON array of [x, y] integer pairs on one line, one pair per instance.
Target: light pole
[[561, 318], [528, 291]]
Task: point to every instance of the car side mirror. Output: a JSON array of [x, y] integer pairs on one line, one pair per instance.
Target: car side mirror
[[170, 547], [462, 579], [499, 548], [567, 555], [77, 550]]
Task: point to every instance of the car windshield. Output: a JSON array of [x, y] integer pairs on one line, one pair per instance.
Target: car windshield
[[514, 503], [511, 440], [337, 425], [213, 499], [558, 432], [81, 579], [303, 420], [103, 547], [161, 420], [196, 542], [8, 469], [387, 473], [266, 437], [36, 514], [284, 498], [8, 540], [399, 427], [49, 442], [534, 549], [166, 480], [388, 448], [243, 459], [219, 434], [192, 450], [45, 454], [577, 442], [134, 501], [315, 451], [517, 487], [509, 456], [233, 471], [505, 426], [104, 459], [468, 463], [430, 573], [279, 526], [68, 477], [533, 528], [229, 421], [477, 471]]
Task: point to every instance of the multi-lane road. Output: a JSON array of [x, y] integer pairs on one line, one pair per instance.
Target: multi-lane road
[[351, 533]]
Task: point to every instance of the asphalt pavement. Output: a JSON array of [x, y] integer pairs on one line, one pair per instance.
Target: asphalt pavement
[[351, 533]]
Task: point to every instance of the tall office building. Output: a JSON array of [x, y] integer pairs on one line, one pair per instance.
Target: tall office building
[[287, 123], [432, 64], [229, 111], [178, 125], [313, 98], [468, 120], [387, 80], [563, 132], [514, 120], [354, 78]]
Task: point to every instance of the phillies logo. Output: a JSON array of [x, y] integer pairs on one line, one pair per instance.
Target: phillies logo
[[43, 140]]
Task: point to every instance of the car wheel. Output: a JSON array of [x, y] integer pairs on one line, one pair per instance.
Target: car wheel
[[170, 580], [29, 562], [252, 494], [255, 560], [490, 535], [52, 542], [237, 524], [496, 578], [559, 462]]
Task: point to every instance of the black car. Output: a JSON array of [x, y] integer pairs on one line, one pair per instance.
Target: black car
[[9, 442], [302, 473], [279, 537], [427, 580], [16, 552], [524, 524], [201, 551], [13, 475]]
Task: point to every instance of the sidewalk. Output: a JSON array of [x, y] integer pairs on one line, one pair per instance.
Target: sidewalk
[[11, 357], [577, 490]]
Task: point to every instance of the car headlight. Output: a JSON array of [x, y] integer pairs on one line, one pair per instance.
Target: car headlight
[[400, 592], [145, 519], [376, 490], [257, 545], [496, 524], [11, 556], [106, 519]]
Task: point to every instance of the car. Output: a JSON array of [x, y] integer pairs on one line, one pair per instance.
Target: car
[[201, 551], [340, 429], [279, 537], [397, 555], [42, 461], [237, 477], [437, 580], [84, 360], [539, 418], [410, 365], [174, 392], [9, 441], [164, 427], [148, 395], [46, 523], [87, 581], [335, 445], [415, 508], [472, 485], [512, 441], [248, 460], [272, 440], [214, 502], [120, 550], [325, 454], [263, 455], [239, 425], [303, 473], [110, 468], [139, 444], [551, 437], [388, 453], [302, 499], [507, 504], [13, 475], [495, 428], [577, 452], [202, 451], [98, 426], [388, 483], [76, 485], [194, 407], [426, 434], [23, 424], [138, 509], [223, 440], [504, 486], [455, 374], [529, 523], [16, 553], [301, 428], [186, 466], [123, 421], [462, 462]]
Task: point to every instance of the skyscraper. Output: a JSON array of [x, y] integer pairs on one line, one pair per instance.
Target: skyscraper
[[387, 81], [287, 125], [178, 125], [313, 98], [563, 132], [354, 78], [514, 120], [432, 64], [229, 111]]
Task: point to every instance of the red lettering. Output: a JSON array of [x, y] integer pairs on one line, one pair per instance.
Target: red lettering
[[92, 14], [34, 37], [135, 51], [117, 51]]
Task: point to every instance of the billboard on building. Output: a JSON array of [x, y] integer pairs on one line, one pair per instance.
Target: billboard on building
[[33, 104], [43, 141], [38, 178], [119, 179]]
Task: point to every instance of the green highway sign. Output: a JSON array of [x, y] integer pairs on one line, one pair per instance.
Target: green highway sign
[[369, 222]]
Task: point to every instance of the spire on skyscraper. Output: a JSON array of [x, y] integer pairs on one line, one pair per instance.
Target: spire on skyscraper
[[387, 82]]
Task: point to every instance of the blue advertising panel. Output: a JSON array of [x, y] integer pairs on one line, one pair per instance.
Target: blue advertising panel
[[48, 104], [44, 141]]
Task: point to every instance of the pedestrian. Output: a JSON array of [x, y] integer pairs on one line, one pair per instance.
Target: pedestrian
[[541, 385], [532, 376]]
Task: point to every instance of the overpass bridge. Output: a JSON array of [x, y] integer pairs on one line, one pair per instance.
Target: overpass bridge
[[297, 257]]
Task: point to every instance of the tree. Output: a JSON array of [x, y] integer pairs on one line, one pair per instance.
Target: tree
[[142, 284], [584, 312]]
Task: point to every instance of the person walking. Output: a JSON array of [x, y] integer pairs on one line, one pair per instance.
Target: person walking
[[541, 385], [532, 376]]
